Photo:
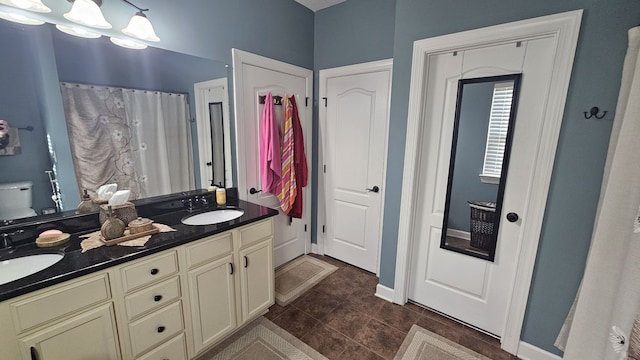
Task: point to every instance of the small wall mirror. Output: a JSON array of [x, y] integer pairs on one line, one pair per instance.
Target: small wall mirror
[[482, 134]]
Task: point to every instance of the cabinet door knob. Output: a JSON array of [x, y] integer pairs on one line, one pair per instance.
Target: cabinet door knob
[[157, 298], [161, 329], [154, 271]]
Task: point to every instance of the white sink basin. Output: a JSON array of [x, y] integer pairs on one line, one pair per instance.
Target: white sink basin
[[212, 217], [19, 267]]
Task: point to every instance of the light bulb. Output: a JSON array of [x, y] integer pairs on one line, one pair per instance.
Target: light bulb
[[140, 27], [31, 5], [78, 31], [19, 18], [128, 43], [87, 12]]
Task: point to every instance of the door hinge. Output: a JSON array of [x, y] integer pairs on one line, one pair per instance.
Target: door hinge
[[325, 101], [306, 102], [324, 168], [305, 227], [323, 229]]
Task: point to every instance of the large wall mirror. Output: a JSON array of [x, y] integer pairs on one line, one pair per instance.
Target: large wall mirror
[[41, 66], [483, 130]]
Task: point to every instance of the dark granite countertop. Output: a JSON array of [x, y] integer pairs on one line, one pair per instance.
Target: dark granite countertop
[[75, 263]]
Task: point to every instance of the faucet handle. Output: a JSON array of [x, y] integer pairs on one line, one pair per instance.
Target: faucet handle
[[5, 241]]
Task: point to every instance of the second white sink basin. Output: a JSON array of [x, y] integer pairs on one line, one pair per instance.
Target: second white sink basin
[[19, 267], [213, 217]]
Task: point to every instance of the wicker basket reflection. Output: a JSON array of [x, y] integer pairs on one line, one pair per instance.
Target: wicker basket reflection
[[483, 217]]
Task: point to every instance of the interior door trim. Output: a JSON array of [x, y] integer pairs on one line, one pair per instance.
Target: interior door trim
[[564, 28]]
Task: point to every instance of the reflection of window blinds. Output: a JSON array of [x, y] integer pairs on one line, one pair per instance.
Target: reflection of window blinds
[[498, 126]]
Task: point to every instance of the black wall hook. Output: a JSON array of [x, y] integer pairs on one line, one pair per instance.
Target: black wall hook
[[594, 112]]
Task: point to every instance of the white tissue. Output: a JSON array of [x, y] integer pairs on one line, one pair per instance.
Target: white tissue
[[120, 197], [105, 192]]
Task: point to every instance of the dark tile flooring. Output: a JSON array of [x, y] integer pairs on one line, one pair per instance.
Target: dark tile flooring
[[342, 319]]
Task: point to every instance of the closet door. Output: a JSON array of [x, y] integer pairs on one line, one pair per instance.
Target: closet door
[[255, 76]]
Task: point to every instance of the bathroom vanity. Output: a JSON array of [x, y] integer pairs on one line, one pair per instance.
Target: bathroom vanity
[[174, 298]]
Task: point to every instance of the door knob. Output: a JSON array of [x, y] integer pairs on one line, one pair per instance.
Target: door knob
[[512, 217], [209, 163], [253, 191], [375, 189]]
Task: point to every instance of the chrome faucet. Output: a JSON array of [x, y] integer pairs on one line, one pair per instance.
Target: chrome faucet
[[6, 242]]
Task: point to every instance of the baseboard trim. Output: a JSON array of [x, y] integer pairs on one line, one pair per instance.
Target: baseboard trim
[[459, 234], [529, 352], [317, 249], [385, 293]]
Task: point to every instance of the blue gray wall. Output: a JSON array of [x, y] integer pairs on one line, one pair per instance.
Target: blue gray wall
[[582, 147], [20, 107], [472, 140]]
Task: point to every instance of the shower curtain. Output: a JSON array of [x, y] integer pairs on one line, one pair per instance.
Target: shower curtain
[[609, 297], [137, 139]]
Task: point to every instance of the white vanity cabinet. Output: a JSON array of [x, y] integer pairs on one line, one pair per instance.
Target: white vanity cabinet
[[72, 320], [174, 304], [230, 281], [257, 283], [150, 313]]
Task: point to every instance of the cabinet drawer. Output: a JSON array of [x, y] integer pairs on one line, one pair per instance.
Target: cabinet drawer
[[145, 272], [174, 349], [209, 249], [156, 328], [256, 232], [153, 297], [61, 301]]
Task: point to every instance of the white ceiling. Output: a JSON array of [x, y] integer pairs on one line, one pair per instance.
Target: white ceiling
[[316, 5]]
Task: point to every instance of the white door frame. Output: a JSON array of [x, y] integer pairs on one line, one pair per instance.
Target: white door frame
[[239, 59], [564, 28], [204, 126], [324, 76]]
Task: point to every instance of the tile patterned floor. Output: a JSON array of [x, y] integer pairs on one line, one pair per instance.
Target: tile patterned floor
[[342, 319]]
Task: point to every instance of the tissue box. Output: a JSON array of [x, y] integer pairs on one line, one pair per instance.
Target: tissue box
[[125, 212]]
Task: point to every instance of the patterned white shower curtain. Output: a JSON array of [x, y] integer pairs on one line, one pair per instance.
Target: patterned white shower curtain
[[609, 297], [137, 139]]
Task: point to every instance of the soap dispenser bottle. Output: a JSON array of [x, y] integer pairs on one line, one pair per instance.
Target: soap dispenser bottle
[[86, 205]]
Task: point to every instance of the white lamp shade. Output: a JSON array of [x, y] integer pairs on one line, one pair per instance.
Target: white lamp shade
[[128, 43], [140, 27], [19, 18], [87, 12], [31, 5], [78, 31]]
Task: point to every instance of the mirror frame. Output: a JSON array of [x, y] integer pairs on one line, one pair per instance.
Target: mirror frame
[[516, 78]]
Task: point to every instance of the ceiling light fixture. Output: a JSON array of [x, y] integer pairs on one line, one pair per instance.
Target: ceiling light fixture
[[87, 13], [78, 31], [31, 5], [139, 26], [20, 19], [128, 43]]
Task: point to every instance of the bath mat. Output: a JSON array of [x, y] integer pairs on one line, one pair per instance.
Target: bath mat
[[262, 340], [298, 276], [421, 344]]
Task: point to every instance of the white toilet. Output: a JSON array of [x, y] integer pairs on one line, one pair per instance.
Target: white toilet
[[15, 200]]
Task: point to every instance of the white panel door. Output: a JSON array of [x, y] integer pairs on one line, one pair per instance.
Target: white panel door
[[470, 289], [355, 135], [255, 76]]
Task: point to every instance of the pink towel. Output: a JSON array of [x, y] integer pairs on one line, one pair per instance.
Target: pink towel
[[287, 186], [270, 163]]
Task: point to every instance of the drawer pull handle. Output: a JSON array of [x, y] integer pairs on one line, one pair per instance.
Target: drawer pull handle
[[154, 271], [157, 298], [34, 353], [246, 261], [230, 269], [161, 329]]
